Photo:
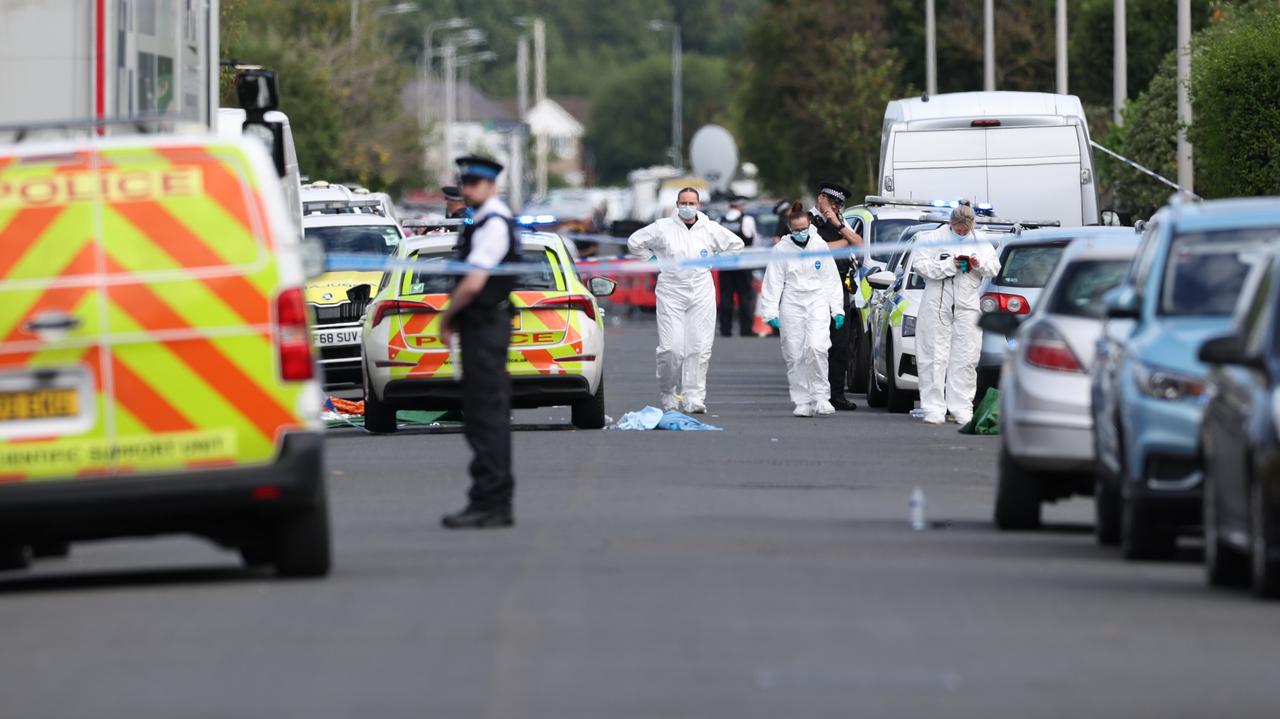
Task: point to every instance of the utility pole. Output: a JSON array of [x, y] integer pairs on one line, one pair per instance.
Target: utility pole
[[355, 18], [1186, 168], [1120, 63], [677, 96], [1062, 47], [450, 107], [930, 48], [522, 75], [988, 45], [540, 94]]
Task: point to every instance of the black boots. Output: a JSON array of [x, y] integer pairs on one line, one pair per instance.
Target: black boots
[[842, 404], [479, 518]]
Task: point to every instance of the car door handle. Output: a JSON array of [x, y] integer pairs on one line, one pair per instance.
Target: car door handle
[[48, 321]]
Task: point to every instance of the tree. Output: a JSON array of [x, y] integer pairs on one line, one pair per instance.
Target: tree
[[1235, 93], [1149, 136], [630, 124]]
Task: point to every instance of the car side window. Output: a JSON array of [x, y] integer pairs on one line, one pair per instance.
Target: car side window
[[1258, 316], [855, 224], [1141, 266]]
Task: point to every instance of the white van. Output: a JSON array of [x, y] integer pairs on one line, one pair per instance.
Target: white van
[[231, 125], [1026, 153]]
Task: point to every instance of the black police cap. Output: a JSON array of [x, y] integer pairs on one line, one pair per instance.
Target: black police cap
[[451, 192], [839, 193], [478, 168]]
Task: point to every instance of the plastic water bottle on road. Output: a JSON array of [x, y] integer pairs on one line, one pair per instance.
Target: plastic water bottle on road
[[916, 510]]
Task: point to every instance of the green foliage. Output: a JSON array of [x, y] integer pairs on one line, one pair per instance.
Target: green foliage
[[342, 94], [1235, 91], [631, 120]]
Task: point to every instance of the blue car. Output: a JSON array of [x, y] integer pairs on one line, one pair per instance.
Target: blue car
[[1182, 288]]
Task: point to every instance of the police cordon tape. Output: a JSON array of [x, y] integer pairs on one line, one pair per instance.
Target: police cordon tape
[[751, 259]]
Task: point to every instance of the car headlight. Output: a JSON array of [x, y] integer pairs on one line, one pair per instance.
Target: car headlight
[[908, 326], [1166, 384]]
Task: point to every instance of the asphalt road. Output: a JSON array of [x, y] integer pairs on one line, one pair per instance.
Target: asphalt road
[[765, 571]]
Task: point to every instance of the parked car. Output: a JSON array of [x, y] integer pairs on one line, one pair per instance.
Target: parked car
[[1027, 260], [1240, 445], [1181, 289], [1046, 451]]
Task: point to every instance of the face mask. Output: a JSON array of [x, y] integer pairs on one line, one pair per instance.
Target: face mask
[[687, 213], [800, 236]]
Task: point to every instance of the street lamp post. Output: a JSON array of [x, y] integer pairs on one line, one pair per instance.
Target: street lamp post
[[988, 45], [677, 90], [1119, 62], [1186, 172], [930, 48], [1062, 47]]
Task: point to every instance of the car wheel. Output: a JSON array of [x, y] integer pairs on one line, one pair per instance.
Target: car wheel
[[589, 413], [875, 394], [50, 550], [378, 417], [857, 375], [300, 541], [899, 401], [1142, 535], [14, 557], [1224, 565], [1106, 512], [1263, 549], [1017, 496]]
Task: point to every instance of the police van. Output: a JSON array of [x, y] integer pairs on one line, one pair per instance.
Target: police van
[[156, 369]]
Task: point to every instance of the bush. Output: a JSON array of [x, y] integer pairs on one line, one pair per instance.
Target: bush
[[1149, 136], [1235, 93]]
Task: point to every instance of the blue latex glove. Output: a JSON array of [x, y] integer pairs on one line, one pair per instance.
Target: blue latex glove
[[839, 322], [773, 323]]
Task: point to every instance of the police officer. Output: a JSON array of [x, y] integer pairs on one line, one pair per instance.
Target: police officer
[[455, 208], [479, 310], [739, 282], [831, 227]]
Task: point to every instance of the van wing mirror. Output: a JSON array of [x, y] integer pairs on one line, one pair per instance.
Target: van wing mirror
[[256, 90], [881, 280], [1001, 323], [360, 294]]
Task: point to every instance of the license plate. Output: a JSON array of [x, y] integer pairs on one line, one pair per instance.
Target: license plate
[[329, 338], [39, 404]]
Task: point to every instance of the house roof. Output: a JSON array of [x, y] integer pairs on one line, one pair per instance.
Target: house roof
[[548, 118], [482, 108]]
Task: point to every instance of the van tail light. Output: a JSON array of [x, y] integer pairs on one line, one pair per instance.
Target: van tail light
[[569, 302], [1003, 302], [985, 123], [386, 308], [1046, 349], [293, 341]]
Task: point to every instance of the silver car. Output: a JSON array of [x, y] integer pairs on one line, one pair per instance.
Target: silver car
[[1045, 419]]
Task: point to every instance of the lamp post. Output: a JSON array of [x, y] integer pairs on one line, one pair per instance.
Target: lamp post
[[465, 62], [1119, 62], [930, 48], [466, 38], [1186, 168], [988, 45], [677, 91], [1062, 47]]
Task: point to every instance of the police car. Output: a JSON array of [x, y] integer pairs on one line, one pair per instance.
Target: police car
[[557, 335], [892, 380], [347, 223]]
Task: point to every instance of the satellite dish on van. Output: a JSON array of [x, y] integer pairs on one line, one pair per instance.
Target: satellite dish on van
[[714, 156]]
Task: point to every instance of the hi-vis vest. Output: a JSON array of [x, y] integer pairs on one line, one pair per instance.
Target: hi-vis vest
[[140, 281]]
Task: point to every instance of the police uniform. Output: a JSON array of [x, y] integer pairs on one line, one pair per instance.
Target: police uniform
[[453, 194], [738, 282], [484, 333], [839, 355]]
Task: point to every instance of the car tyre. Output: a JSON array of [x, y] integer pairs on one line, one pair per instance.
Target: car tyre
[[1264, 564], [1017, 496], [14, 557], [899, 401], [1143, 536], [300, 544], [379, 418], [589, 413], [875, 393], [1106, 512], [1224, 565], [50, 550]]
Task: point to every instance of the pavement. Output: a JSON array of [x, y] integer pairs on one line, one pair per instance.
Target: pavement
[[768, 570]]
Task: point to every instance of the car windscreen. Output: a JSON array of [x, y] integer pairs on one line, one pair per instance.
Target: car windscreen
[[1029, 265], [430, 281], [1205, 271], [372, 240], [889, 232], [1079, 290]]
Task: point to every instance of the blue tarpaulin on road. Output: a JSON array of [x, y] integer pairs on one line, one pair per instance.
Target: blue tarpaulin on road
[[654, 418]]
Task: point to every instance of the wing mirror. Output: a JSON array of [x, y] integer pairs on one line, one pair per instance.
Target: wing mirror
[[881, 280], [1227, 350], [360, 294], [601, 286], [1121, 303], [1001, 323]]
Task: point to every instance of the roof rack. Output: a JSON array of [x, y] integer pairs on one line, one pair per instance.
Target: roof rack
[[881, 200]]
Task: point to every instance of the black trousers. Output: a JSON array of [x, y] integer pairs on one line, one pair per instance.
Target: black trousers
[[737, 282], [838, 356], [485, 335]]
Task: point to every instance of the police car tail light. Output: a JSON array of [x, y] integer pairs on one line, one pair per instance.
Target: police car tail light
[[570, 302], [293, 343], [386, 308], [1046, 349], [1004, 302]]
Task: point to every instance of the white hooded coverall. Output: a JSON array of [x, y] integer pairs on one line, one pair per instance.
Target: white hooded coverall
[[686, 302], [948, 340], [805, 295]]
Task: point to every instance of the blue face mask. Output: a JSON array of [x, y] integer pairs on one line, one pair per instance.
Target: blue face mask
[[800, 237]]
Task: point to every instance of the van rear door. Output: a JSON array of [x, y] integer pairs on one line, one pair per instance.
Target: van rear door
[[1034, 173], [940, 164]]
